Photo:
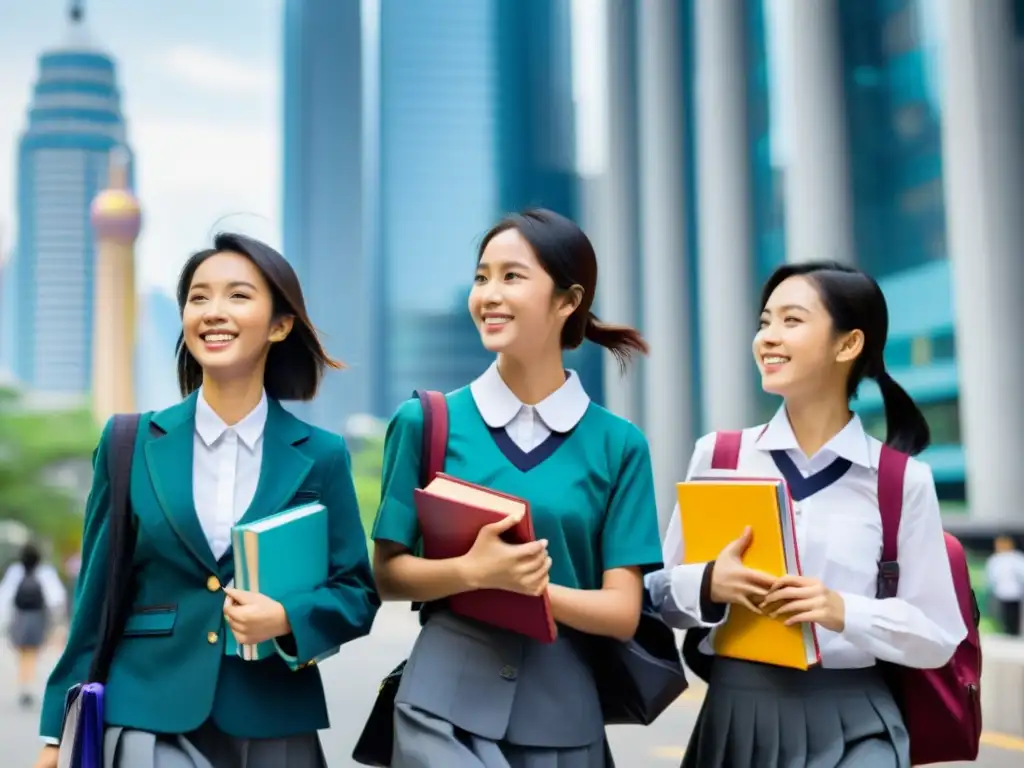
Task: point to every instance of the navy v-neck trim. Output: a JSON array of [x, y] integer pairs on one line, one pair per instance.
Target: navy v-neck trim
[[801, 487], [522, 460]]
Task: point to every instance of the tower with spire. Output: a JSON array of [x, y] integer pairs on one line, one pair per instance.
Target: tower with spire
[[116, 220], [74, 121]]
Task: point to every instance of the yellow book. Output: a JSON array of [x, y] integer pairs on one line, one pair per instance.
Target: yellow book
[[714, 512]]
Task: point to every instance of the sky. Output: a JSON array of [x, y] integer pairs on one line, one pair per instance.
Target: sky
[[200, 88]]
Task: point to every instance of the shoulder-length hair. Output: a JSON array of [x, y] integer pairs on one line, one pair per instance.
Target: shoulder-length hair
[[295, 366]]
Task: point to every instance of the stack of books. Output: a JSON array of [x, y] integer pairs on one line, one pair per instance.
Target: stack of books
[[276, 556], [715, 511], [451, 513]]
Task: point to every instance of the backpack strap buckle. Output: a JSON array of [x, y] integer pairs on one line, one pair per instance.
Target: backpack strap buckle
[[888, 578]]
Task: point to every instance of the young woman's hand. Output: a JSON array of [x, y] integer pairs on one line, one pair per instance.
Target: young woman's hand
[[48, 757], [802, 599], [493, 563], [732, 582], [254, 618]]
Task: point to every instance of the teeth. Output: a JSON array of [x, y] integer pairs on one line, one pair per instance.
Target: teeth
[[496, 320], [216, 338], [774, 360]]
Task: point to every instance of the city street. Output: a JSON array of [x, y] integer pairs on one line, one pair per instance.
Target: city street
[[352, 679]]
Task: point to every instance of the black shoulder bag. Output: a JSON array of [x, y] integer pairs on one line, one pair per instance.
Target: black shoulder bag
[[376, 743], [118, 597]]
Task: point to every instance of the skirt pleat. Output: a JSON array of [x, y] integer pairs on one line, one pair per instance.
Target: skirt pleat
[[759, 716], [423, 740], [208, 747]]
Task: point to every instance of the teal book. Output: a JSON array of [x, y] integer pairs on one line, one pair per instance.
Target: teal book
[[276, 556]]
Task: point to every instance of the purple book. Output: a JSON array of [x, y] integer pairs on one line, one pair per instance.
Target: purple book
[[81, 744]]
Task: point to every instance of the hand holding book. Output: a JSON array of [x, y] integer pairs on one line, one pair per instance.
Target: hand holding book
[[493, 563], [733, 582], [799, 599], [489, 537], [254, 618]]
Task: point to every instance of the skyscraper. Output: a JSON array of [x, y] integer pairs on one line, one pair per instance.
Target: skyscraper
[[475, 121], [74, 120], [323, 195]]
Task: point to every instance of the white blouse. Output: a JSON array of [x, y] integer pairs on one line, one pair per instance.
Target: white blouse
[[226, 462], [528, 425], [839, 534]]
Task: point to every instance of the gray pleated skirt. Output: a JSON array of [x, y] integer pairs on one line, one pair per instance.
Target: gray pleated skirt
[[208, 747], [28, 629], [760, 716], [425, 741]]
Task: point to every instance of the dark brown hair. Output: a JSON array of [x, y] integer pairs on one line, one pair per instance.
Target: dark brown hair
[[855, 301], [296, 365], [566, 254]]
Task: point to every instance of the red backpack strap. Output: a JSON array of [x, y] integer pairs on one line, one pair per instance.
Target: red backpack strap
[[435, 434], [892, 467], [727, 450]]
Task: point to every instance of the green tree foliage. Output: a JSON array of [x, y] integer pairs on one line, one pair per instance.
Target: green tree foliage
[[31, 443], [367, 457]]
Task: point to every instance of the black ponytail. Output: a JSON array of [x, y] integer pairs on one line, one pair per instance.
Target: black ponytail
[[906, 429], [622, 341]]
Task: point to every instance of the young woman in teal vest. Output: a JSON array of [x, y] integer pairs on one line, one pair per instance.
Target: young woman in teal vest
[[228, 453], [471, 694], [822, 329]]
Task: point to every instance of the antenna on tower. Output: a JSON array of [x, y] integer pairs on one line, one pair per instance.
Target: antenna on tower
[[77, 10]]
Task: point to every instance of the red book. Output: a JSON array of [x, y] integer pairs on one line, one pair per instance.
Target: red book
[[451, 513]]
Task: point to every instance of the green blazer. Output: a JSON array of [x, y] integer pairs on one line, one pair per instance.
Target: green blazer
[[170, 673]]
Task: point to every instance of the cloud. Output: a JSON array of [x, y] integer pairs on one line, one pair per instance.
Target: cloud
[[213, 71], [195, 176]]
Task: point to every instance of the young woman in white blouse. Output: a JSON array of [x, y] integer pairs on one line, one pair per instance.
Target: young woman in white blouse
[[822, 329], [178, 694]]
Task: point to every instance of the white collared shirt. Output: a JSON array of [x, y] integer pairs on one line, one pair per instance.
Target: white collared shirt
[[1005, 574], [528, 425], [225, 469], [839, 536]]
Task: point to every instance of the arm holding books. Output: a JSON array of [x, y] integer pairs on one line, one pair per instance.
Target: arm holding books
[[630, 544], [400, 574], [690, 595], [316, 623]]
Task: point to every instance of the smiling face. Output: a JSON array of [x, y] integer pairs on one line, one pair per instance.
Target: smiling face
[[796, 347], [513, 301], [227, 319]]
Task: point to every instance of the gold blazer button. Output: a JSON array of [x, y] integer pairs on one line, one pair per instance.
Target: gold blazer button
[[211, 638], [213, 583]]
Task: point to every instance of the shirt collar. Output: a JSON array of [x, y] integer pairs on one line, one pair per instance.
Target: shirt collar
[[560, 411], [210, 426], [850, 443]]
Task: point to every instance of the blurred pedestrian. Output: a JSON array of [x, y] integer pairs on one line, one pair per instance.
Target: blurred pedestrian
[[1005, 573], [31, 597]]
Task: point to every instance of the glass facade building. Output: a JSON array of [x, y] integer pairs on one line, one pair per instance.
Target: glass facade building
[[878, 133], [475, 120]]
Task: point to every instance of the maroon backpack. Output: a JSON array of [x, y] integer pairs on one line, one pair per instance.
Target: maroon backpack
[[941, 707]]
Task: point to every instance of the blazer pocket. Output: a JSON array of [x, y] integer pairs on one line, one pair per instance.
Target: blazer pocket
[[153, 620], [304, 497]]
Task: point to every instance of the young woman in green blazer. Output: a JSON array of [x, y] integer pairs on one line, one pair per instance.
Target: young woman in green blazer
[[228, 453]]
